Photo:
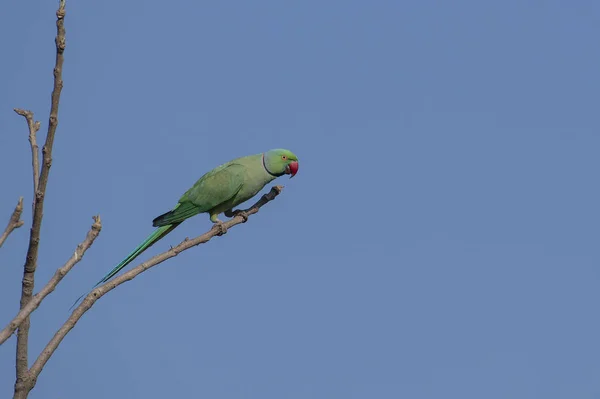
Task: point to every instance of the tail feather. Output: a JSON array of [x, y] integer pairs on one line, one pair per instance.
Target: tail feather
[[147, 243], [181, 212]]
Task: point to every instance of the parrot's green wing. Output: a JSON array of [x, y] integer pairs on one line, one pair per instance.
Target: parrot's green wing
[[214, 188]]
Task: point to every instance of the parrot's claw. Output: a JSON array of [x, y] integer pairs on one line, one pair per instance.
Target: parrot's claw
[[237, 212], [220, 227]]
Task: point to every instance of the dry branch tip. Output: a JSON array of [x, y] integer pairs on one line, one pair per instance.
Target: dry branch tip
[[14, 222]]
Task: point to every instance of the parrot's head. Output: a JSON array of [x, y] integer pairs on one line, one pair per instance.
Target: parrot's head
[[281, 162]]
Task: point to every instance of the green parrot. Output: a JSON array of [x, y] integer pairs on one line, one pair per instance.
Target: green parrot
[[218, 191]]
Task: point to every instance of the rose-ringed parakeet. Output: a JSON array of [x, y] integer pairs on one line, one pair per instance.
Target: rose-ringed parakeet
[[218, 191]]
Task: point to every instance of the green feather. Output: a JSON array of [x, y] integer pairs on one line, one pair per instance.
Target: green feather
[[181, 212], [147, 243]]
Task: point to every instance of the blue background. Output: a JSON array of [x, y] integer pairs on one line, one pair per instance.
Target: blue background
[[440, 240]]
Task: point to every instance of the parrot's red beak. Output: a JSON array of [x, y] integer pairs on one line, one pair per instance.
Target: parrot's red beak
[[292, 169]]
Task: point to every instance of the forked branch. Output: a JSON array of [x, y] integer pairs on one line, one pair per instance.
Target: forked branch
[[51, 285], [22, 385], [99, 292]]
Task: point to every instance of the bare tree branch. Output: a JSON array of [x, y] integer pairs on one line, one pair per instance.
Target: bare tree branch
[[33, 126], [51, 285], [14, 222], [26, 378], [99, 292], [38, 210]]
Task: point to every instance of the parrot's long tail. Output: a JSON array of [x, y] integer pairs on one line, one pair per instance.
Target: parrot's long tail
[[147, 243]]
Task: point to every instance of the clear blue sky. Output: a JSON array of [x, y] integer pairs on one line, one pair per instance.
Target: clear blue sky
[[440, 240]]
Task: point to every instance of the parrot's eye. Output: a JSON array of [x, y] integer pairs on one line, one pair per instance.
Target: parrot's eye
[[283, 157]]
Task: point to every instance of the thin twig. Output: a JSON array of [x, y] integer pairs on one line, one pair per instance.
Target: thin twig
[[33, 126], [51, 285], [99, 292], [14, 222], [21, 390]]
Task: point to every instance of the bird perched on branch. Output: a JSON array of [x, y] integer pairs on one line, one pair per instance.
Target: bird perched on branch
[[218, 191]]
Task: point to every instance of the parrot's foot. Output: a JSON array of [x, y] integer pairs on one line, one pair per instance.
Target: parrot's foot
[[237, 212], [220, 227], [242, 214]]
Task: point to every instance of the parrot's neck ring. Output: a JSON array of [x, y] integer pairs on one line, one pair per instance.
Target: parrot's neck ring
[[267, 169]]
